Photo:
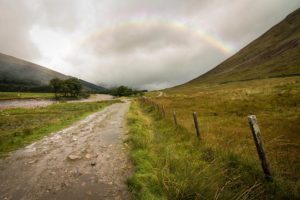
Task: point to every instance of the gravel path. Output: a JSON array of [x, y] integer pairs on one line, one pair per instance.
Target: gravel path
[[85, 161]]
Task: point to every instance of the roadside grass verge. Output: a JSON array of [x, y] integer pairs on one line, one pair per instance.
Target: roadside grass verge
[[223, 111], [170, 163], [25, 95], [21, 126]]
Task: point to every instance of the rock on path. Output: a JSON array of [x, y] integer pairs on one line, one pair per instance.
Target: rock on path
[[85, 161]]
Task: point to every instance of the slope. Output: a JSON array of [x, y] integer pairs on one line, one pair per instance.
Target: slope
[[263, 79], [274, 54], [20, 75]]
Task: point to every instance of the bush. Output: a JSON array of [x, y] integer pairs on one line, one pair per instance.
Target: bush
[[126, 91], [69, 87]]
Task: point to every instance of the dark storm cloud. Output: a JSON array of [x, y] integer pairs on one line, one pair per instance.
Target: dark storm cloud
[[91, 39]]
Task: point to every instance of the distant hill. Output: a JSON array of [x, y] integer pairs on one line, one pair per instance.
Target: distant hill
[[20, 75], [274, 54]]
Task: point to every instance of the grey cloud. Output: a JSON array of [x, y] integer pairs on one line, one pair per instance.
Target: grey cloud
[[166, 7], [58, 14], [242, 21], [128, 39], [15, 24], [152, 55]]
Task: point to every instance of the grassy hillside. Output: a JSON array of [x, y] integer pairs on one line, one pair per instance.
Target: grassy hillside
[[275, 54], [20, 75]]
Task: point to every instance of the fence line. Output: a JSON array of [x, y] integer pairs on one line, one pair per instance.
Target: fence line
[[175, 118], [256, 133], [196, 123]]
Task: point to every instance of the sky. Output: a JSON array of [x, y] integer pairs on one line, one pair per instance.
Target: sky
[[150, 44]]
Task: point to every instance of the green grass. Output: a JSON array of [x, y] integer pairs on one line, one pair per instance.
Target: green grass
[[223, 111], [25, 95], [20, 126], [261, 79], [171, 163]]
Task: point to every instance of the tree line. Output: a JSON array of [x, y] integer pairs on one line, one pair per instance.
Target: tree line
[[126, 91], [70, 87]]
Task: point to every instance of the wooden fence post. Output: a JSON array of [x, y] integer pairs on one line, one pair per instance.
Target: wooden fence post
[[259, 146], [163, 110], [157, 106], [175, 118], [196, 125]]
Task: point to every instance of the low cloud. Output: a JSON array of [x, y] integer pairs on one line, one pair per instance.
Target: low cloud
[[15, 24], [150, 57], [142, 44]]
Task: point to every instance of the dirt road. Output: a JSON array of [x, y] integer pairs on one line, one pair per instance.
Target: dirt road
[[160, 94], [85, 161], [32, 103]]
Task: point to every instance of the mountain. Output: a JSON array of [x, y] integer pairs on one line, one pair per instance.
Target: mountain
[[274, 54], [241, 86], [20, 75]]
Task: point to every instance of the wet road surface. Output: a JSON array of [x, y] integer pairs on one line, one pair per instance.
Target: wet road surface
[[85, 161]]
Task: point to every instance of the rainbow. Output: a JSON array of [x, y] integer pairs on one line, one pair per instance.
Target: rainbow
[[178, 25]]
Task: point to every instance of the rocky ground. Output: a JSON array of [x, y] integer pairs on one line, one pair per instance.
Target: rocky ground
[[85, 161]]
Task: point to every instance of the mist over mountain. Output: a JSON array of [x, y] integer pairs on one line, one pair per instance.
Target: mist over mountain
[[20, 75]]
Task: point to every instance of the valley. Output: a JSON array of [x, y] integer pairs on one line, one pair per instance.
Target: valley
[[63, 137]]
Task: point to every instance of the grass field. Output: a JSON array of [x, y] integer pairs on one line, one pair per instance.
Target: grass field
[[223, 111], [19, 127], [171, 164], [25, 95]]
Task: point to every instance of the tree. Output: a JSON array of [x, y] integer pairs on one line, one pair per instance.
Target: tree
[[74, 86], [124, 91], [56, 85], [69, 87]]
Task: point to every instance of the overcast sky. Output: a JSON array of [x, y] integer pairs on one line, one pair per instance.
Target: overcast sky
[[149, 44]]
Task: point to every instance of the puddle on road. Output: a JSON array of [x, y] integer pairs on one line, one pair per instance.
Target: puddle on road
[[29, 103], [110, 137], [32, 103], [87, 187]]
